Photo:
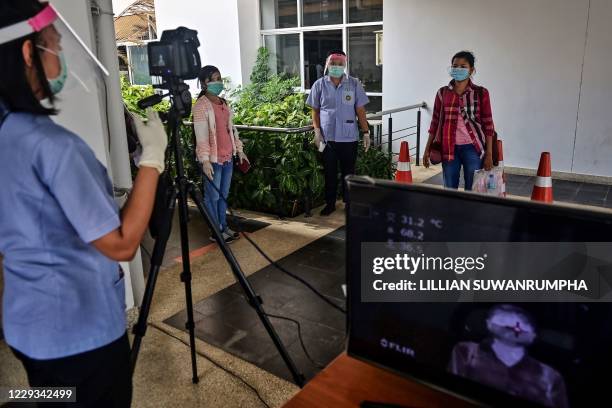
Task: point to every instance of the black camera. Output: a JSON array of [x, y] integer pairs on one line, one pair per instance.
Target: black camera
[[175, 55]]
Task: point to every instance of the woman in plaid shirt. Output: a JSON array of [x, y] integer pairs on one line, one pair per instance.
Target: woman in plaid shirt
[[462, 124]]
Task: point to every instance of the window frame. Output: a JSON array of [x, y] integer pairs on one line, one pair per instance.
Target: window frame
[[301, 29]]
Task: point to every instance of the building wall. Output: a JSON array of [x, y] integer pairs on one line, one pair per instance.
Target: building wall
[[217, 26], [248, 24], [530, 56], [593, 153]]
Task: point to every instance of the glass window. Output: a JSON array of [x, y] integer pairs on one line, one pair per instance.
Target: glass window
[[316, 46], [138, 59], [362, 57], [284, 53], [123, 61], [322, 12], [375, 104], [278, 14], [363, 11]]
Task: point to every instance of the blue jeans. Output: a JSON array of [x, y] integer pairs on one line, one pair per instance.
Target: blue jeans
[[466, 156], [222, 178]]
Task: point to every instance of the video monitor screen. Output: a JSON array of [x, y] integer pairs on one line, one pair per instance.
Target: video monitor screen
[[160, 58], [498, 354]]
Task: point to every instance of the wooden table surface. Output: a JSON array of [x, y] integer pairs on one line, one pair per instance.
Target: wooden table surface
[[346, 382]]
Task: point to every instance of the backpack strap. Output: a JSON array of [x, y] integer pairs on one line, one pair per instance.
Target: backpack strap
[[495, 136]]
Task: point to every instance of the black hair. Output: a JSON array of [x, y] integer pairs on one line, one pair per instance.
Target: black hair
[[466, 55], [206, 74], [336, 52], [15, 90]]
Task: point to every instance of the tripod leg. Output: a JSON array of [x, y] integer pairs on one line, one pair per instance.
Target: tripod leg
[[186, 275], [253, 299], [157, 257]]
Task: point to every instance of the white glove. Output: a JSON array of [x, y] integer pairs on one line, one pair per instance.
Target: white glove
[[243, 157], [208, 169], [318, 137], [153, 140], [366, 141]]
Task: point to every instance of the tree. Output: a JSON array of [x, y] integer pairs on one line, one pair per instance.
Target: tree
[[261, 71]]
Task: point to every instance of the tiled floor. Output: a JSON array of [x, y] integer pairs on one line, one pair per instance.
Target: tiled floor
[[565, 191], [227, 321], [199, 236]]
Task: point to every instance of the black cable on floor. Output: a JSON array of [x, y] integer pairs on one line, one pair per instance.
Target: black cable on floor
[[299, 329], [298, 278], [215, 363], [275, 264]]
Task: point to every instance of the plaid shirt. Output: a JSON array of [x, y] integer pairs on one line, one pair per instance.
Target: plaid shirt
[[475, 108]]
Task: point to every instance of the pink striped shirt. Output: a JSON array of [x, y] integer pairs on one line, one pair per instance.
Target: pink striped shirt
[[224, 140], [462, 136]]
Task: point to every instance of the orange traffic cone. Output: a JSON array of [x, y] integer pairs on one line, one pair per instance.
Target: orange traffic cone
[[542, 191], [500, 150], [404, 173]]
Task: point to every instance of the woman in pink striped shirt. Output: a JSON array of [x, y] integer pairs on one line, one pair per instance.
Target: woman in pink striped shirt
[[462, 123], [217, 143]]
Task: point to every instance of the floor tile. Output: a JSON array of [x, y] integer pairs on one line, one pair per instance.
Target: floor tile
[[227, 321]]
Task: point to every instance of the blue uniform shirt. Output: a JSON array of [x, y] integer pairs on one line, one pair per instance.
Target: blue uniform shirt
[[61, 295], [337, 105]]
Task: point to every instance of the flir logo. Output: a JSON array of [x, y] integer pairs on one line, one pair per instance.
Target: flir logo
[[398, 348]]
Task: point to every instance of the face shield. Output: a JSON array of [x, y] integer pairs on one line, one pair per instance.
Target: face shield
[[67, 61], [335, 60]]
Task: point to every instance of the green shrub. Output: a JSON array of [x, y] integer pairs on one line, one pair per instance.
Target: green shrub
[[131, 95], [285, 168]]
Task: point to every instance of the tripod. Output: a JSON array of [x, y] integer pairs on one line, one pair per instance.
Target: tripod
[[170, 192]]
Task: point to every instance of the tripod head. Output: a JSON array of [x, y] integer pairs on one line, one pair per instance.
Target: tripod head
[[180, 98]]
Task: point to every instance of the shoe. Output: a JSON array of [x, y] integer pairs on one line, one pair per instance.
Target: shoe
[[233, 233], [329, 208], [227, 237]]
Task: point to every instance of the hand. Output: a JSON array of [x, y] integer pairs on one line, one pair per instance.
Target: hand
[[208, 169], [488, 162], [243, 157], [318, 137], [426, 158], [153, 140], [366, 141]]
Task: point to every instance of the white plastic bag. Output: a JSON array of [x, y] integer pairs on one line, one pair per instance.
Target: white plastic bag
[[489, 182]]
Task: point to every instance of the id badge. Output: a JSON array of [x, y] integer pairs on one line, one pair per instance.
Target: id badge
[[348, 97]]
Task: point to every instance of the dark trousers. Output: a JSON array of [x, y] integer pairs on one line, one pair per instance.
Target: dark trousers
[[346, 154], [101, 376]]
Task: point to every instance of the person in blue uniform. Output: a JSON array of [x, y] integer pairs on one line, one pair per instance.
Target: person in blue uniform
[[338, 112], [61, 233]]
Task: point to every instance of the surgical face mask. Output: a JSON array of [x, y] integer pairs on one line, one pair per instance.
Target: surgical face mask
[[57, 84], [215, 87], [459, 74], [336, 71]]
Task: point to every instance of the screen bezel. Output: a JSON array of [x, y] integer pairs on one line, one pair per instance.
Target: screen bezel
[[422, 373]]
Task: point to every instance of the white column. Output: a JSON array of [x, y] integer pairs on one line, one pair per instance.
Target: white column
[[119, 156]]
